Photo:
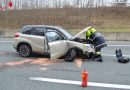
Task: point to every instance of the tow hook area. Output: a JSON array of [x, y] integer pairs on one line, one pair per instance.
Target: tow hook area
[[89, 54]]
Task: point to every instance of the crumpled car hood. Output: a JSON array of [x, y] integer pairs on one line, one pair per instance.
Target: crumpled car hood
[[80, 33]]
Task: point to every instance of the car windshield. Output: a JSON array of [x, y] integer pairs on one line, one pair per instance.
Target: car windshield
[[69, 36]]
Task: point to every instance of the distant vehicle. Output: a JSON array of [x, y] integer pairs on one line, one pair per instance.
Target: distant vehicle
[[53, 40]]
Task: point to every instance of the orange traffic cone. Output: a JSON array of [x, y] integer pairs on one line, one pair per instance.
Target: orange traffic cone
[[84, 78]]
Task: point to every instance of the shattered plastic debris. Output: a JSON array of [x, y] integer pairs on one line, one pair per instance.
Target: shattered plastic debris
[[39, 61], [32, 61], [79, 63], [18, 62], [3, 52], [1, 65]]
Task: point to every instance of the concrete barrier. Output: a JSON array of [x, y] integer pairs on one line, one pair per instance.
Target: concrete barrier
[[109, 36], [113, 36], [123, 36], [119, 36], [2, 34], [7, 33]]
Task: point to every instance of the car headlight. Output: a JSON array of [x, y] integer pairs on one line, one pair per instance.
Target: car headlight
[[88, 46], [91, 46]]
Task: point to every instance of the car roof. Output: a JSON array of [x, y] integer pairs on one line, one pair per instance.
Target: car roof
[[50, 26]]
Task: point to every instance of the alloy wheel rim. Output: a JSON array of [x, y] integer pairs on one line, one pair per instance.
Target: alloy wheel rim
[[24, 50]]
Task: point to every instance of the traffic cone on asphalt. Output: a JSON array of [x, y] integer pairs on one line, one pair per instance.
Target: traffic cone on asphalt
[[84, 78]]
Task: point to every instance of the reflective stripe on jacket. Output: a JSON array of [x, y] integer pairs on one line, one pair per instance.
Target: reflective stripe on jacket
[[98, 40]]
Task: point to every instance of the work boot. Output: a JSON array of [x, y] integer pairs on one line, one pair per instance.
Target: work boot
[[99, 59]]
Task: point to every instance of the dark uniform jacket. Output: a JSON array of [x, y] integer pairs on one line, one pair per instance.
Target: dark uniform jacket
[[98, 41]]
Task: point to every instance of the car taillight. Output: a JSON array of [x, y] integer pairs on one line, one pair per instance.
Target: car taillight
[[17, 35]]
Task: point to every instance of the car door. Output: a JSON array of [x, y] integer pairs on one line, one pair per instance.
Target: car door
[[35, 37], [57, 43]]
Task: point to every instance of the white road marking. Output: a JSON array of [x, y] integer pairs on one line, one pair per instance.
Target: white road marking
[[6, 41], [43, 69], [111, 55], [119, 45], [106, 85]]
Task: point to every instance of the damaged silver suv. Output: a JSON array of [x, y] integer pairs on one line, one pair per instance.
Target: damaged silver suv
[[53, 40]]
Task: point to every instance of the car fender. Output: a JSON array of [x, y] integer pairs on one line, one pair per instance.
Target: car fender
[[84, 47], [30, 40]]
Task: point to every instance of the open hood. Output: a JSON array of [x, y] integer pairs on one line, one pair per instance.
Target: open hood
[[80, 33]]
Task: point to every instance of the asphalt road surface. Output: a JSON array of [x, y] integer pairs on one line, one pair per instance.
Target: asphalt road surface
[[39, 73]]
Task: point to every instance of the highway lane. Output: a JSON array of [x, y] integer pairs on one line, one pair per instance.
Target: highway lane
[[15, 71]]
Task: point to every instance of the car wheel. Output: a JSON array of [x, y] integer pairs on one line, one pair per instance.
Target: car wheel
[[70, 55], [24, 50], [91, 55]]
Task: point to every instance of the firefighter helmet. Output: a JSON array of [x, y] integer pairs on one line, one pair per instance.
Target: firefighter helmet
[[88, 33], [92, 30]]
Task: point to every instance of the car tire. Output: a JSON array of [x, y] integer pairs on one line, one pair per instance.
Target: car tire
[[24, 50], [91, 55], [70, 55]]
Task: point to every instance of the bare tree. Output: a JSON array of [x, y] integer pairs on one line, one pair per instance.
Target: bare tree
[[56, 3], [90, 5], [120, 3], [77, 3]]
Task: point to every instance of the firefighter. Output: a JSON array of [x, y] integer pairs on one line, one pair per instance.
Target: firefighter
[[97, 40]]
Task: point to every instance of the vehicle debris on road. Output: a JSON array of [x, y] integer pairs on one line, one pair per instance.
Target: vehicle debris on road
[[120, 57]]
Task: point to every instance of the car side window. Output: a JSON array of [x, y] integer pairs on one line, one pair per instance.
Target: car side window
[[34, 31], [37, 31], [53, 36], [26, 30]]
